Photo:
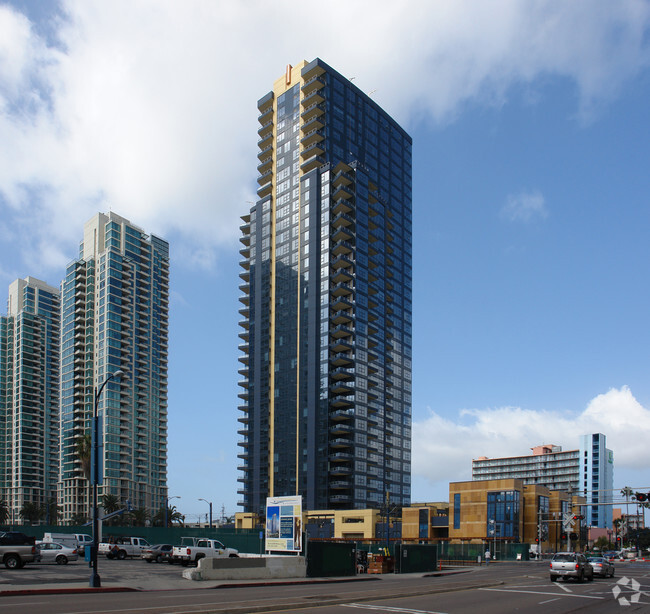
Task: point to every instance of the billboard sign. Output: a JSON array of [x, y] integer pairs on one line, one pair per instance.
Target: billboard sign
[[284, 524]]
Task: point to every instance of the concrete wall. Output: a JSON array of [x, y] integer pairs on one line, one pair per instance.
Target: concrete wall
[[248, 568]]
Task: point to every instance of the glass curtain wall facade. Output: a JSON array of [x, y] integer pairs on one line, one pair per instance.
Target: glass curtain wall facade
[[326, 300], [29, 397], [115, 308], [597, 479]]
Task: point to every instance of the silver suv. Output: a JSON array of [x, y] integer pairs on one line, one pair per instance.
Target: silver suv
[[571, 565]]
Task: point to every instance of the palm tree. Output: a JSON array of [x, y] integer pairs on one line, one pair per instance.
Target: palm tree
[[139, 516], [31, 512], [4, 511], [78, 519], [83, 448], [52, 511], [111, 504]]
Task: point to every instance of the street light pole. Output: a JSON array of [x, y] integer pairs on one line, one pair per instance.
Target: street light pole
[[95, 580], [167, 500], [210, 504]]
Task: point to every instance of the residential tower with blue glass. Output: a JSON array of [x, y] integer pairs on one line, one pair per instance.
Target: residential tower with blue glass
[[115, 311], [326, 300], [29, 398]]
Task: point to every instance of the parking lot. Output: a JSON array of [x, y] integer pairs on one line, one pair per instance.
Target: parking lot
[[133, 573]]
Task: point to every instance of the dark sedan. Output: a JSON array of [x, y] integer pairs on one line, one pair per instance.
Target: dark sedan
[[602, 567], [159, 553]]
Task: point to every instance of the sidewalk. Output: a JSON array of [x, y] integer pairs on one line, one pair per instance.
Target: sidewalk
[[169, 583]]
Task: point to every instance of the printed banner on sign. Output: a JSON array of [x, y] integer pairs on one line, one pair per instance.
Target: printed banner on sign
[[284, 524]]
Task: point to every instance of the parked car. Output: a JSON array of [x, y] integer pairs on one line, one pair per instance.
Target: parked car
[[72, 540], [159, 553], [602, 566], [16, 538], [122, 546], [52, 552], [193, 549], [571, 565], [14, 556]]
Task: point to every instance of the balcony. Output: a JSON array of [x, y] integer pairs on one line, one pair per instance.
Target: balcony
[[341, 303], [267, 152], [340, 457], [341, 428], [343, 233], [341, 415], [342, 205], [342, 177], [266, 141], [343, 289], [266, 130], [266, 115], [313, 150], [315, 97], [342, 219], [342, 317], [341, 374], [313, 69], [314, 123], [340, 470], [314, 84], [315, 110], [342, 191], [339, 388], [265, 178], [342, 248], [341, 442], [265, 165], [341, 331], [341, 262], [342, 275], [312, 163], [315, 136], [265, 190]]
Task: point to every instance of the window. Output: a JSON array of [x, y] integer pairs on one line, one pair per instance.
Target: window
[[457, 511]]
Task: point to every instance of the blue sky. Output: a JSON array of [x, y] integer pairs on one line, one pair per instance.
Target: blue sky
[[531, 152]]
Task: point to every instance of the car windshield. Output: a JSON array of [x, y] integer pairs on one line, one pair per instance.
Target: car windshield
[[596, 559]]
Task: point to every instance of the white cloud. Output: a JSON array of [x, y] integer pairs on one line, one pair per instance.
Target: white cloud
[[149, 107], [525, 206], [443, 449]]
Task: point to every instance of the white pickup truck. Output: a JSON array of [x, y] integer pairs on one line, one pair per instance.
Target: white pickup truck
[[193, 549], [122, 547]]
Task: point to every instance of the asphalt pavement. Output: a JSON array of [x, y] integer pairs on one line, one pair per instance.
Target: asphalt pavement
[[136, 575]]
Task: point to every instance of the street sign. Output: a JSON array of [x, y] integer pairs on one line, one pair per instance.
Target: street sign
[[567, 520]]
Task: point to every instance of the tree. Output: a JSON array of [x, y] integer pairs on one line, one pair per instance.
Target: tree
[[84, 449], [52, 511], [78, 519], [173, 515], [111, 504], [602, 543], [139, 517], [31, 512], [4, 511]]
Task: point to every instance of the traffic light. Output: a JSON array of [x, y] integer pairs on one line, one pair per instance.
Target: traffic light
[[537, 539], [641, 496], [562, 535]]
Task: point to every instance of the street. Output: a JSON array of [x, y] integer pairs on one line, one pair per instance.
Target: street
[[498, 588]]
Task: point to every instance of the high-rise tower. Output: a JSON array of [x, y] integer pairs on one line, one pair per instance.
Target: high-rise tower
[[326, 299], [115, 301], [29, 397]]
